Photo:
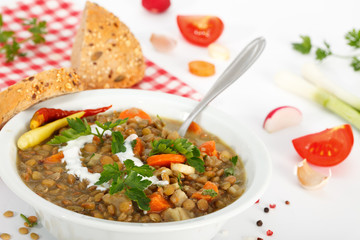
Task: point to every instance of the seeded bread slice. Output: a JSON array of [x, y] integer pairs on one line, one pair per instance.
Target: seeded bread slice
[[105, 53], [34, 89]]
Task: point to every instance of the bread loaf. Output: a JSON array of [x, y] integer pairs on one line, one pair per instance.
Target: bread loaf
[[105, 53], [31, 90]]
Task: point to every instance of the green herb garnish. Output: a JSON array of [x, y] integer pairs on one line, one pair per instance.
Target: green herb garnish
[[179, 146], [231, 170], [179, 181], [209, 192], [11, 46], [30, 224], [130, 180], [353, 40], [80, 128]]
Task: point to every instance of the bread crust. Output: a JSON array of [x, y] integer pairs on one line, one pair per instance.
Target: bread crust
[[105, 53], [34, 89]]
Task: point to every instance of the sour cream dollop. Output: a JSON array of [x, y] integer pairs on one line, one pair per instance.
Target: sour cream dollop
[[72, 158]]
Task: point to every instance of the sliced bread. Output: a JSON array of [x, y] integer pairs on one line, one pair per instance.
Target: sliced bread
[[105, 53]]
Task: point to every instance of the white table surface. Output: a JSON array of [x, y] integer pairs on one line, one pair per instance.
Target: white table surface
[[329, 213]]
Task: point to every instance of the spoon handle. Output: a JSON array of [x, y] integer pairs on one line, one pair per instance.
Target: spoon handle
[[239, 66]]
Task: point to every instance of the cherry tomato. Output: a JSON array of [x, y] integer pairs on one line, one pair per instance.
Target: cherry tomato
[[200, 30], [326, 148]]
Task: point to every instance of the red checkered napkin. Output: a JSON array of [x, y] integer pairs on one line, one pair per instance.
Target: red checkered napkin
[[62, 19]]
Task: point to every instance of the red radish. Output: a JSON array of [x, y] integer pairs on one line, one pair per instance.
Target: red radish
[[156, 6], [282, 117]]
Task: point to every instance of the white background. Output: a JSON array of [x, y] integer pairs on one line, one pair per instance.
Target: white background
[[329, 213]]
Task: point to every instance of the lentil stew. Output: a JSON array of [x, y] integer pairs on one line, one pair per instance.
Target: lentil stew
[[179, 188]]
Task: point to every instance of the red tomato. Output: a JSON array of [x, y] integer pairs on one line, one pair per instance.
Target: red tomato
[[200, 30], [326, 148]]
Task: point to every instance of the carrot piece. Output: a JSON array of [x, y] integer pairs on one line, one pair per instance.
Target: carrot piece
[[194, 128], [208, 185], [56, 158], [165, 160], [209, 148], [201, 68], [139, 147], [158, 203], [134, 112]]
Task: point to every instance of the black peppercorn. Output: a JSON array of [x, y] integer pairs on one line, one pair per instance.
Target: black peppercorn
[[259, 223], [266, 209]]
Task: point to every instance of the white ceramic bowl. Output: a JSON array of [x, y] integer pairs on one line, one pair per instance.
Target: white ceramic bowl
[[68, 225]]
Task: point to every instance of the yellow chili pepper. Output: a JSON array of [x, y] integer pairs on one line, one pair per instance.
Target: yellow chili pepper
[[37, 135]]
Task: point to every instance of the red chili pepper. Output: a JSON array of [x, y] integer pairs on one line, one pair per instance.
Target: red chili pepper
[[272, 205], [45, 115]]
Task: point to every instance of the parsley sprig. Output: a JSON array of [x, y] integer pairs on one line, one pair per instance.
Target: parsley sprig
[[209, 192], [10, 44], [231, 170], [179, 146], [80, 128], [130, 180], [352, 38]]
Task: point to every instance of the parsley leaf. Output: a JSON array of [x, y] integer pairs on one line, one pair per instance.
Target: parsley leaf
[[305, 46], [210, 192], [11, 46], [131, 180], [139, 197], [353, 38], [77, 129], [231, 170], [117, 143], [355, 63], [322, 53], [181, 146]]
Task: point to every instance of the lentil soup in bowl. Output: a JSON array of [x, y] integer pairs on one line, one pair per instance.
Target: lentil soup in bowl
[[135, 178]]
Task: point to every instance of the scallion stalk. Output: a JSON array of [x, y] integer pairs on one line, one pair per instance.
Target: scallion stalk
[[313, 74], [301, 87]]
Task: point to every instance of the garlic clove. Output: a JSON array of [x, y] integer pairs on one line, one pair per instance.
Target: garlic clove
[[218, 51], [162, 43], [309, 178]]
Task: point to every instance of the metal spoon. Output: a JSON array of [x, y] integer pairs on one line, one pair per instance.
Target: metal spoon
[[239, 66]]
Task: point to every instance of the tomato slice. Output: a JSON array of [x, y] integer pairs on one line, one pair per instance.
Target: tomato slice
[[326, 148], [200, 30]]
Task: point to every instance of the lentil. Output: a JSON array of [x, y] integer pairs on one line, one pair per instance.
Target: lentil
[[23, 230], [8, 214], [287, 202], [34, 236], [5, 236]]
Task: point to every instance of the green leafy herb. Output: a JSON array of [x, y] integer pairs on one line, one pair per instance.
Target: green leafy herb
[[179, 181], [353, 40], [305, 46], [11, 46], [130, 180], [231, 170], [210, 192], [181, 146], [133, 143], [80, 128], [30, 224]]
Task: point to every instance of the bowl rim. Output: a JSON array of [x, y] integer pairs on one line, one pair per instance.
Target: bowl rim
[[251, 195]]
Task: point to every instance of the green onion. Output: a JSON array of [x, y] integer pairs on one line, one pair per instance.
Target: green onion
[[301, 87], [313, 74]]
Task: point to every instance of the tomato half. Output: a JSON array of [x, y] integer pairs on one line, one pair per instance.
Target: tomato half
[[326, 148], [200, 30]]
